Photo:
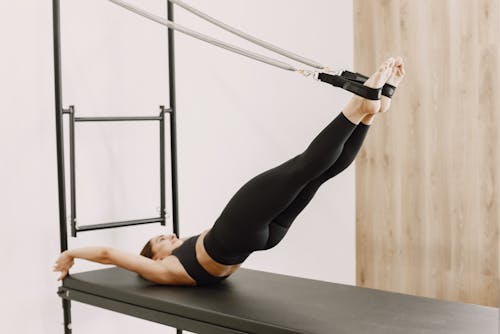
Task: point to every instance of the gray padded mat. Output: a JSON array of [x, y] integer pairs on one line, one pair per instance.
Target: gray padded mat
[[260, 302]]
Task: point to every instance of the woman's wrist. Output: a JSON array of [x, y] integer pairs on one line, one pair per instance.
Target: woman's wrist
[[68, 252]]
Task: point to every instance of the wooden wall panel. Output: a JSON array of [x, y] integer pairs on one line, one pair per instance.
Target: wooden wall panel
[[428, 176]]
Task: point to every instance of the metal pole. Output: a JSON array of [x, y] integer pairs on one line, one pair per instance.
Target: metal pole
[[72, 169], [60, 147], [117, 119], [162, 165], [59, 125], [173, 124]]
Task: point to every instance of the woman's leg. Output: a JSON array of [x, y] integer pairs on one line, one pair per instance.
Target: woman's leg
[[279, 226], [283, 221], [243, 225], [351, 149], [269, 193]]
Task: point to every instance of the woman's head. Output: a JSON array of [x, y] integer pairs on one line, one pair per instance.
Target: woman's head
[[161, 246]]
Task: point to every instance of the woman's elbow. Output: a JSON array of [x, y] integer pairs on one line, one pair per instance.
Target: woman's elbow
[[105, 255]]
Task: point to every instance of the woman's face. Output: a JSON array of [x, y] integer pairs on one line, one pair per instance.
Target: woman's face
[[163, 245]]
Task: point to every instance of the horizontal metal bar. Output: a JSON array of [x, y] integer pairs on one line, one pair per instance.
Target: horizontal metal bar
[[117, 119], [119, 224]]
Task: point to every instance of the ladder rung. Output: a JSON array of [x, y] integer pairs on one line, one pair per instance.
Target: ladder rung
[[118, 119], [119, 224]]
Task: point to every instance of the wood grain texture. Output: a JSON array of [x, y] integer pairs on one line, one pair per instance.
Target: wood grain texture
[[428, 175]]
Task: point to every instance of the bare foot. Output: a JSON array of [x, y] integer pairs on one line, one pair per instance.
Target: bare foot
[[361, 106], [398, 73]]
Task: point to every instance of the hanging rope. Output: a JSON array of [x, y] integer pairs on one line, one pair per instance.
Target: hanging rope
[[352, 82], [205, 38], [248, 37]]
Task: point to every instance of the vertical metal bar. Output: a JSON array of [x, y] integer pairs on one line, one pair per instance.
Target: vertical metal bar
[[72, 168], [59, 125], [60, 147], [173, 123], [67, 316], [162, 165]]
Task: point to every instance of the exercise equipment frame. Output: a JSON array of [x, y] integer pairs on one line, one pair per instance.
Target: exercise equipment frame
[[60, 111], [251, 301]]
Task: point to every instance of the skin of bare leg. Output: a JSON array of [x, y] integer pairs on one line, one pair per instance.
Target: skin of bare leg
[[354, 113], [358, 108]]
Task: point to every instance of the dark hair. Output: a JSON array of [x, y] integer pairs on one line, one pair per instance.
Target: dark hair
[[147, 251]]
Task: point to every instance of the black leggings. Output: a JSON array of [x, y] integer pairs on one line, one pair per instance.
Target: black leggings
[[260, 213]]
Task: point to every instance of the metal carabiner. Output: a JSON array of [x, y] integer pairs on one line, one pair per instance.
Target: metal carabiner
[[314, 74]]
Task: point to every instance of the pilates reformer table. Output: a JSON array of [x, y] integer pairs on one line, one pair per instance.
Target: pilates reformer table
[[252, 301]]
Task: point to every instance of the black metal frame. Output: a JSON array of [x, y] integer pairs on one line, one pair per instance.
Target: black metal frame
[[72, 120], [60, 112], [168, 319]]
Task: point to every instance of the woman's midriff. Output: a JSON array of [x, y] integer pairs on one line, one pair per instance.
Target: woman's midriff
[[213, 267]]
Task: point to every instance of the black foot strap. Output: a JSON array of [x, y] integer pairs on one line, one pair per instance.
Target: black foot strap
[[388, 89], [351, 86], [353, 82]]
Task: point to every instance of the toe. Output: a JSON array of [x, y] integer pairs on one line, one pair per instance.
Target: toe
[[386, 72], [390, 62], [397, 75], [378, 79], [398, 61], [398, 72]]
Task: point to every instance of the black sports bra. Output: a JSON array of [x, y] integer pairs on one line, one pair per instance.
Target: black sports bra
[[186, 253]]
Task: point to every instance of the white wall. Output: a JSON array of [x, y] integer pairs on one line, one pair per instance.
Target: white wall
[[236, 118]]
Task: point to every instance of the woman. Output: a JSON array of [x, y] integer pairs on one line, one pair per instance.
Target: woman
[[259, 215]]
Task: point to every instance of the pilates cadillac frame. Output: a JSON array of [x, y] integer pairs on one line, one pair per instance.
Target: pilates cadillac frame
[[60, 111], [251, 301]]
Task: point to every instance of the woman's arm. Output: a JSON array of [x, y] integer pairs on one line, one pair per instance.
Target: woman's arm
[[155, 271]]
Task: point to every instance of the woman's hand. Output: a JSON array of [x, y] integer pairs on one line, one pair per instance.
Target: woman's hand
[[63, 263]]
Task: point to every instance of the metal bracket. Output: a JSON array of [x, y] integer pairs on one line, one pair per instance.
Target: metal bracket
[[70, 110], [63, 292], [165, 212], [167, 110]]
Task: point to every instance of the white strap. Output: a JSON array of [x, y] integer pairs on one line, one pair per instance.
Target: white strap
[[208, 39], [248, 37]]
